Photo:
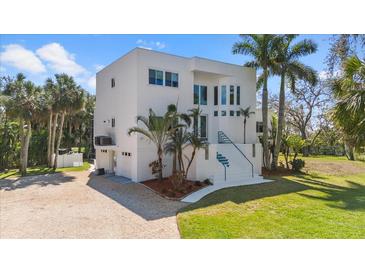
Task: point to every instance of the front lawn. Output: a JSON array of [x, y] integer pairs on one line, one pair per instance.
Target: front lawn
[[314, 205], [37, 170]]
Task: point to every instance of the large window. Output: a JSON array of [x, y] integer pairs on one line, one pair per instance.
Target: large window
[[171, 79], [231, 95], [200, 95], [238, 96], [155, 77], [223, 95], [215, 95]]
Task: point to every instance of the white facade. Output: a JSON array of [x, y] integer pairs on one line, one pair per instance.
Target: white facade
[[132, 94]]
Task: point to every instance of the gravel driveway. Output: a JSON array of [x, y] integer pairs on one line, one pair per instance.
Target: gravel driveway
[[79, 205]]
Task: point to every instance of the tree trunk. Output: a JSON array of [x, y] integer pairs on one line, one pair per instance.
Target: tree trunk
[[281, 121], [49, 140], [54, 127], [60, 132], [174, 162], [349, 149], [265, 144], [244, 131], [24, 146], [160, 167], [189, 164]]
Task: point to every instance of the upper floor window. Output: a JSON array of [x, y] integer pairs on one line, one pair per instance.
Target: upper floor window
[[113, 122], [231, 95], [259, 127], [231, 113], [215, 95], [200, 95], [223, 95], [238, 95], [155, 77], [171, 79], [113, 82]]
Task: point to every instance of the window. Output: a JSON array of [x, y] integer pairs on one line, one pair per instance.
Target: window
[[253, 150], [196, 95], [231, 95], [216, 113], [224, 113], [171, 79], [238, 113], [155, 77], [259, 127], [203, 126], [215, 95], [223, 95], [113, 82], [231, 113], [238, 95], [200, 95], [113, 122]]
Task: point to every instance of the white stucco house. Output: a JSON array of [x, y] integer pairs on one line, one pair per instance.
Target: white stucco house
[[144, 79]]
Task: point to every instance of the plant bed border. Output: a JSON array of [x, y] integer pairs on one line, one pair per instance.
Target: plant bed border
[[204, 185]]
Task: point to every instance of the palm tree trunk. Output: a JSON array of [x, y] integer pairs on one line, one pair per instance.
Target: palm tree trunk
[[281, 115], [244, 131], [160, 164], [49, 138], [173, 162], [265, 144], [60, 132], [189, 164], [22, 142], [54, 127], [26, 147]]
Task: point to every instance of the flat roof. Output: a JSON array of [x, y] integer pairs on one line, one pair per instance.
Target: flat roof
[[170, 54]]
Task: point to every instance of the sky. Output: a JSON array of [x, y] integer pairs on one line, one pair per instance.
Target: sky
[[41, 56]]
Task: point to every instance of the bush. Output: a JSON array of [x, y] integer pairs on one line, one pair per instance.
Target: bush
[[297, 164], [207, 181]]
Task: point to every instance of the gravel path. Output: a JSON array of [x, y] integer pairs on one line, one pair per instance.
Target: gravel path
[[78, 205]]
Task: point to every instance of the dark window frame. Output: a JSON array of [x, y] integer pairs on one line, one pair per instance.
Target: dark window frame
[[216, 97], [238, 95], [231, 95], [112, 83]]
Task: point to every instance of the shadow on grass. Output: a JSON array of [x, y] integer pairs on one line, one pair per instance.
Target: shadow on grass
[[348, 198], [35, 180]]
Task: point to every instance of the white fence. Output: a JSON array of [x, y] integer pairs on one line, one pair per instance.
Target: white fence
[[69, 160]]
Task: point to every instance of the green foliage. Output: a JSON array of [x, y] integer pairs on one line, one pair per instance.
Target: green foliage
[[297, 164]]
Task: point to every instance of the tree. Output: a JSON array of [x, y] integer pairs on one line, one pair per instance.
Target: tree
[[288, 66], [245, 113], [23, 104], [262, 49], [303, 106], [158, 130], [349, 111], [71, 100]]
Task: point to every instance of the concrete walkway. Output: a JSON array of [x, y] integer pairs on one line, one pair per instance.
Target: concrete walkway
[[196, 196], [74, 205]]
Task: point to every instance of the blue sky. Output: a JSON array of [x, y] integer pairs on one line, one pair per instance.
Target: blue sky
[[40, 56]]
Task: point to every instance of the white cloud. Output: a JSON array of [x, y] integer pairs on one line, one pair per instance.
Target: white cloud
[[21, 58], [98, 67], [59, 59], [91, 82], [150, 44]]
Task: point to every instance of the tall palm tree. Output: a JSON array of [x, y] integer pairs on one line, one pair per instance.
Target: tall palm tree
[[245, 113], [288, 67], [349, 111], [196, 143], [158, 130], [23, 104], [71, 100], [262, 48]]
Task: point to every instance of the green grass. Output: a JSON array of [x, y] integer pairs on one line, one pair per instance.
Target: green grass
[[311, 205], [43, 170]]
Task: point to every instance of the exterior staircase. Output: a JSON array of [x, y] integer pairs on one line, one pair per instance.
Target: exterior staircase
[[224, 161]]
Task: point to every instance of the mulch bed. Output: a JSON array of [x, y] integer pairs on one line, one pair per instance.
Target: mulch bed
[[280, 171], [166, 189]]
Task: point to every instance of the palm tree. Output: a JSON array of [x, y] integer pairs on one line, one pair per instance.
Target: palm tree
[[245, 113], [262, 48], [23, 104], [196, 143], [288, 66], [71, 100], [158, 130], [349, 111]]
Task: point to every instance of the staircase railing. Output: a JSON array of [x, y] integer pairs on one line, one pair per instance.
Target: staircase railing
[[224, 139]]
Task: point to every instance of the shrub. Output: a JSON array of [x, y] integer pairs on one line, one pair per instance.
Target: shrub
[[297, 164], [207, 181]]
